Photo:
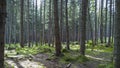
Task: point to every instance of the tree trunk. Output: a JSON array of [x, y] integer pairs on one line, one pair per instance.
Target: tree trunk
[[109, 37], [36, 21], [2, 30], [117, 36], [67, 27], [106, 21], [44, 22], [101, 24], [83, 26], [61, 20], [28, 22], [95, 39], [50, 25], [41, 23], [21, 24], [56, 28]]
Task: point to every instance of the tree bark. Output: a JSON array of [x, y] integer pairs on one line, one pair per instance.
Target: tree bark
[[106, 21], [50, 25], [117, 36], [2, 30], [101, 23], [56, 28], [109, 37], [83, 26], [21, 24], [95, 39], [67, 27]]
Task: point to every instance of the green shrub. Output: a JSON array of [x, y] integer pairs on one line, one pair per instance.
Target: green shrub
[[12, 46], [89, 42], [27, 50], [65, 50]]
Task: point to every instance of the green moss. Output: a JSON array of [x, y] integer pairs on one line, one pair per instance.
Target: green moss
[[81, 58], [12, 46], [74, 47], [35, 50], [107, 65], [89, 42], [69, 57]]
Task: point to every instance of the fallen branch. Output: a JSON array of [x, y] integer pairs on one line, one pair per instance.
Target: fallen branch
[[68, 65]]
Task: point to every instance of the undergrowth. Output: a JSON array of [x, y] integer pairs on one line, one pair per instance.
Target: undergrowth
[[34, 50], [107, 65], [72, 56], [69, 56]]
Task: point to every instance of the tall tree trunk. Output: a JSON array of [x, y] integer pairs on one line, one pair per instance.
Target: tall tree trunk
[[33, 23], [73, 21], [44, 22], [28, 23], [41, 23], [36, 21], [56, 28], [101, 23], [106, 21], [109, 37], [83, 26], [117, 36], [67, 27], [113, 21], [61, 20], [95, 39], [21, 24], [50, 25], [90, 25], [2, 30]]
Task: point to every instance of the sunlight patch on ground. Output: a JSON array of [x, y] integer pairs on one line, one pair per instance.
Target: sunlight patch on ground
[[96, 58], [96, 50], [25, 64]]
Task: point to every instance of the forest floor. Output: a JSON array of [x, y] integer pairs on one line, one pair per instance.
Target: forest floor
[[42, 60]]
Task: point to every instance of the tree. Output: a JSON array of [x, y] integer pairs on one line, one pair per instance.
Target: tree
[[83, 26], [44, 22], [56, 28], [50, 25], [106, 20], [28, 25], [95, 39], [109, 37], [61, 20], [117, 36], [2, 30], [41, 23], [36, 20], [101, 23], [21, 24], [67, 27]]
